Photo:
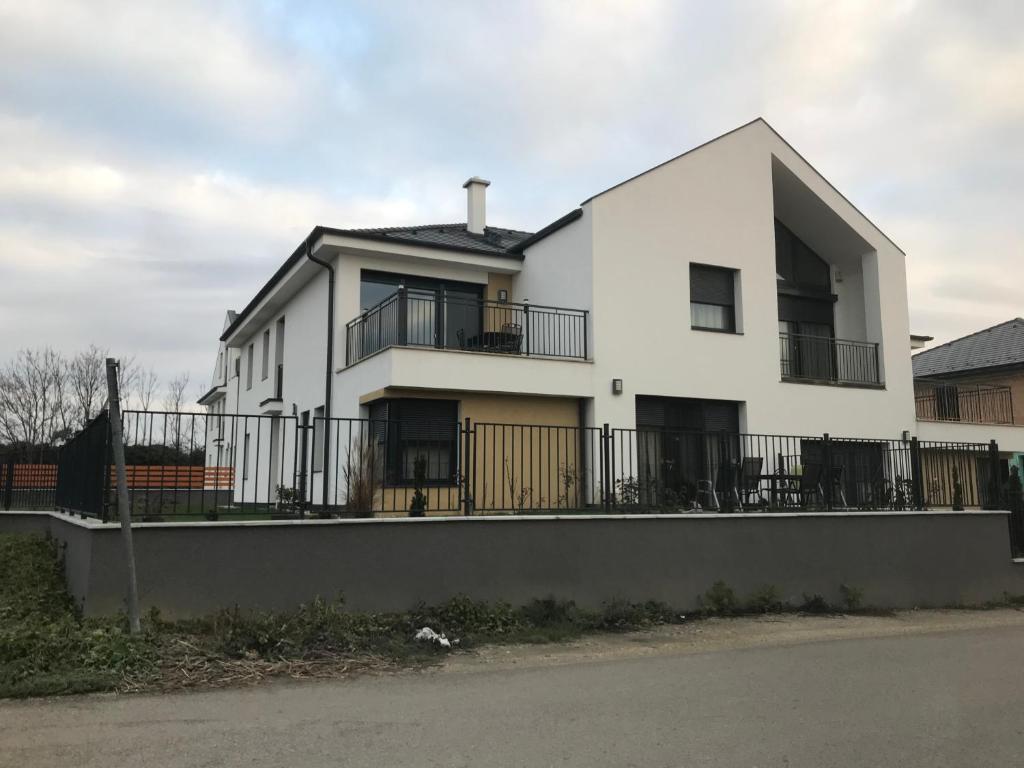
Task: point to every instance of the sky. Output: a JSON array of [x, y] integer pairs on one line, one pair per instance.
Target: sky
[[158, 161]]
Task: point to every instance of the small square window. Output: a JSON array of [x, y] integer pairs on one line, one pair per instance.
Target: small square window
[[712, 298]]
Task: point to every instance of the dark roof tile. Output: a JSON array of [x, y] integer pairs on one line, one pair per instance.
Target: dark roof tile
[[998, 346]]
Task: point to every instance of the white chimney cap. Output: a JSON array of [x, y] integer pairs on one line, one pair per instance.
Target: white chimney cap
[[476, 180]]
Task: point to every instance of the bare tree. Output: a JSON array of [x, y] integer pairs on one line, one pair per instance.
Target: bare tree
[[127, 382], [33, 398], [87, 384], [174, 399], [146, 386]]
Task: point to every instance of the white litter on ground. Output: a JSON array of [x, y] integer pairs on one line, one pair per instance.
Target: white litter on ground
[[427, 635]]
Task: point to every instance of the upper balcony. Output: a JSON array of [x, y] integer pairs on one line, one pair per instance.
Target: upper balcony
[[971, 404], [426, 319], [824, 360]]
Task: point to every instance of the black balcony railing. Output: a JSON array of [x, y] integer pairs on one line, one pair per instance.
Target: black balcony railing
[[974, 404], [409, 318], [828, 360]]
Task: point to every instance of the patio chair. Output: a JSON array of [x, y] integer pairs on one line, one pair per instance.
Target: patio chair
[[512, 337], [750, 482], [461, 336], [838, 491], [725, 481], [810, 483]]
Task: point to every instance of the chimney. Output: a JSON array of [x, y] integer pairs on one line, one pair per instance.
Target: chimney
[[476, 204]]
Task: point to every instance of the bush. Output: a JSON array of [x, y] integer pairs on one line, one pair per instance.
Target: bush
[[853, 597], [720, 600], [765, 599], [815, 604]]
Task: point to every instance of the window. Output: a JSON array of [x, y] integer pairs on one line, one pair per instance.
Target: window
[[266, 355], [712, 298], [279, 358], [318, 439], [410, 429], [797, 266], [248, 367]]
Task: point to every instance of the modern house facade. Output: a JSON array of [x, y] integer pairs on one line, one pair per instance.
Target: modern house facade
[[731, 289]]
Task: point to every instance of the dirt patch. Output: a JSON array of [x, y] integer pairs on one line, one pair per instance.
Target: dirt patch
[[710, 635]]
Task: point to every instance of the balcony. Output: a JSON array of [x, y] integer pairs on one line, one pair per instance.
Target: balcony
[[970, 404], [824, 360], [410, 318]]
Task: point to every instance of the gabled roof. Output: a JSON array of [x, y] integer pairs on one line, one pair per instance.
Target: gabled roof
[[997, 347], [766, 124]]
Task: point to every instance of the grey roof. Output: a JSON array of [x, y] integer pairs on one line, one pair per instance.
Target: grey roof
[[495, 240], [996, 347]]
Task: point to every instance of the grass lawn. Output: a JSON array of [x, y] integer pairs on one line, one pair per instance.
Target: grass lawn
[[47, 648]]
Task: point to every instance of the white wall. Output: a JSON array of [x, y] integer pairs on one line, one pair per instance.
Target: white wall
[[715, 206]]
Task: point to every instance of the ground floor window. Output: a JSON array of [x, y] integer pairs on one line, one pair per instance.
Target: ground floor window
[[407, 430]]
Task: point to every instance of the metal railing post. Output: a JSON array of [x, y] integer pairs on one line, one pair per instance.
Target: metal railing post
[[467, 498], [606, 471], [827, 461], [993, 458], [586, 317], [917, 479]]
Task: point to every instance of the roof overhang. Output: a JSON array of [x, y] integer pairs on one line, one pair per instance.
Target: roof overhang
[[328, 244], [212, 395]]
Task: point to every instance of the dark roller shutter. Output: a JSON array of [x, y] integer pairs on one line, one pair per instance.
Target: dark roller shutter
[[721, 417], [427, 419], [650, 412], [711, 285]]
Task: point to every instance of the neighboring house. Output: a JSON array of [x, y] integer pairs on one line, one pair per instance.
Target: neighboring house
[[729, 288], [972, 388]]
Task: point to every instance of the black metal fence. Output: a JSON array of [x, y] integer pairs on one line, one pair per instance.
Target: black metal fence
[[195, 466], [409, 318], [822, 358], [83, 470], [28, 476]]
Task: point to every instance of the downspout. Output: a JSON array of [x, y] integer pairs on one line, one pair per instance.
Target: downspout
[[330, 365]]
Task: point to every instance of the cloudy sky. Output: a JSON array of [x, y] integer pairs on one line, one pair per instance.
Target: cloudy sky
[[159, 160]]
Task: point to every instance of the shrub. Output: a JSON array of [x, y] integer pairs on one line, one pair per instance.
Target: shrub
[[765, 599], [853, 597], [815, 604], [720, 600]]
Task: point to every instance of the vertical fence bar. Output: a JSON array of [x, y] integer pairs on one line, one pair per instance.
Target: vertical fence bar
[[467, 498], [917, 479]]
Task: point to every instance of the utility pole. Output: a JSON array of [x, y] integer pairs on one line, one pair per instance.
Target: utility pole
[[117, 440]]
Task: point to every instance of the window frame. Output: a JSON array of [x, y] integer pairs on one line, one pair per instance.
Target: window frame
[[250, 353], [265, 370], [387, 430], [732, 325]]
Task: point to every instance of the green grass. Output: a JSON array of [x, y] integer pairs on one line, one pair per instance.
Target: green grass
[[47, 648]]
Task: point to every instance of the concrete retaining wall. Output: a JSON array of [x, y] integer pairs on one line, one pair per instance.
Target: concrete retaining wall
[[187, 569]]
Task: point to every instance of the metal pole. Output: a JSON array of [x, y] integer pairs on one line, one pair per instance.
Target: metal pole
[[467, 498], [122, 494]]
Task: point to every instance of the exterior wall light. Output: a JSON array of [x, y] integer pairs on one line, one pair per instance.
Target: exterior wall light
[[906, 435], [502, 295], [616, 386]]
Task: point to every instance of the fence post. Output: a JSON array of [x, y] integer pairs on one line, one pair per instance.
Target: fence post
[[122, 494], [606, 468], [9, 482], [993, 460], [826, 456], [916, 478], [467, 498]]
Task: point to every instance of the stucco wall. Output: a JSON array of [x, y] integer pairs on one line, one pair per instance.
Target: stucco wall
[[715, 206], [897, 559]]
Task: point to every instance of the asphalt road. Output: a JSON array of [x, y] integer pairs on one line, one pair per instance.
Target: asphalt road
[[934, 698]]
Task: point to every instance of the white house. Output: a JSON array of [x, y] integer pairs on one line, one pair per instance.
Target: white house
[[729, 288]]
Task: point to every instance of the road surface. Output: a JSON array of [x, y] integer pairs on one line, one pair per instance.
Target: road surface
[[932, 689]]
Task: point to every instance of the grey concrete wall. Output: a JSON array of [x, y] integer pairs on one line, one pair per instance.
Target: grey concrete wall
[[898, 559]]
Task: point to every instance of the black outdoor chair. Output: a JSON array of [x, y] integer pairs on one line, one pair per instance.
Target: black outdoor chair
[[838, 490], [810, 483], [461, 336], [750, 482]]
